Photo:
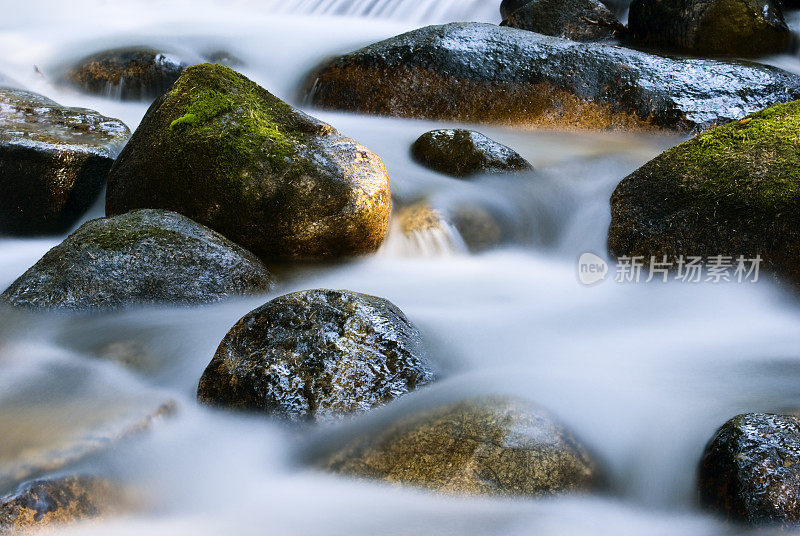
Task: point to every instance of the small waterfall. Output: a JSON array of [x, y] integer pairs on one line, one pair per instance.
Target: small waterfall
[[441, 241], [426, 11]]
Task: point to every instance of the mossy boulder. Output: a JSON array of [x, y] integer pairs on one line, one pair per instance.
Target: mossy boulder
[[317, 355], [461, 153], [223, 151], [135, 73], [53, 161], [579, 20], [143, 257], [733, 191], [473, 72], [490, 445], [750, 470], [58, 501], [710, 27]]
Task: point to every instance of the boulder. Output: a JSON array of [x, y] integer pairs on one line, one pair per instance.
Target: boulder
[[317, 355], [750, 471], [143, 257], [136, 73], [461, 153], [491, 446], [579, 20], [57, 501], [223, 151], [710, 27], [53, 161], [734, 191], [475, 72], [507, 7]]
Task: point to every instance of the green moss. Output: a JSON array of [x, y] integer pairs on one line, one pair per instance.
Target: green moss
[[753, 163], [116, 239], [234, 120]]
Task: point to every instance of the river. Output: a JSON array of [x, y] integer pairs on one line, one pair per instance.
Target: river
[[643, 373]]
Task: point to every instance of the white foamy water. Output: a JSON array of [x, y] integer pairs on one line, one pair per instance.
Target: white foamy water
[[644, 374]]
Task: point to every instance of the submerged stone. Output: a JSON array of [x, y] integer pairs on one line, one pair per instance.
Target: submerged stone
[[461, 153], [750, 470], [733, 192], [223, 151], [58, 501], [53, 161], [579, 20], [711, 27], [142, 257], [317, 355], [126, 73], [491, 446], [477, 72]]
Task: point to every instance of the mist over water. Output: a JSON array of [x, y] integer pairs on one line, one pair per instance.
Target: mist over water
[[644, 374]]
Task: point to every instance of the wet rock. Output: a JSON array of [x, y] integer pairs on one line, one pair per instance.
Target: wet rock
[[223, 151], [579, 20], [507, 7], [479, 227], [53, 161], [126, 73], [710, 27], [750, 471], [143, 257], [734, 191], [465, 152], [494, 446], [58, 501], [476, 72], [317, 355]]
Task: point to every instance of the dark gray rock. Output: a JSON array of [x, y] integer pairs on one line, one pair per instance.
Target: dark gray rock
[[750, 470], [317, 355], [142, 257], [490, 446], [53, 162], [579, 20], [507, 7], [710, 27], [481, 72], [126, 73], [461, 153]]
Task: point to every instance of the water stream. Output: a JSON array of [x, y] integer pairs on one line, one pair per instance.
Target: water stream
[[644, 373]]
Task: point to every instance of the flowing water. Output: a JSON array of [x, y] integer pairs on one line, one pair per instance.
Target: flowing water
[[644, 373]]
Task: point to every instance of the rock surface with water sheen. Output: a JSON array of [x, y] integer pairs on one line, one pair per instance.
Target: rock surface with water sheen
[[461, 153], [223, 151], [142, 257], [750, 470], [137, 73], [58, 501], [492, 446], [579, 20], [317, 355], [733, 191], [483, 73], [711, 27], [53, 161]]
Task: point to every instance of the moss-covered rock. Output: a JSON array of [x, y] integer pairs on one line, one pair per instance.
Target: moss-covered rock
[[223, 151], [317, 355], [710, 27], [135, 73], [495, 446], [461, 153], [734, 191], [58, 501], [750, 470], [53, 161], [143, 257], [579, 20], [476, 72]]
